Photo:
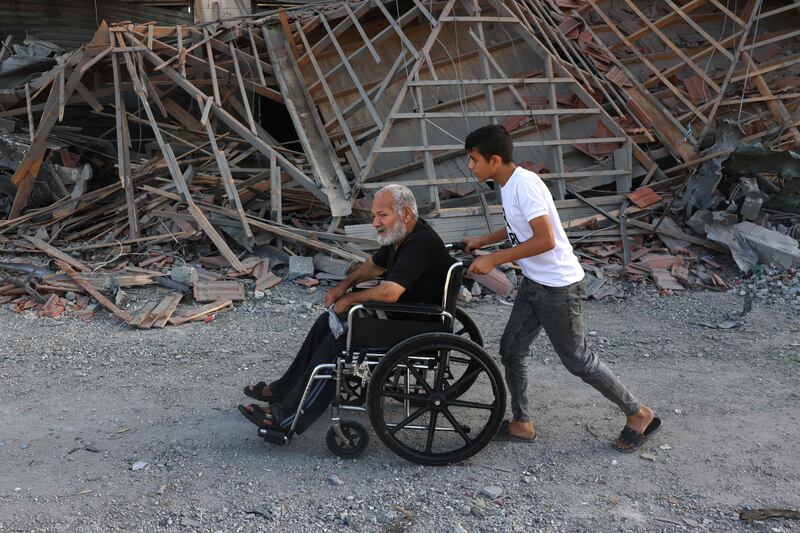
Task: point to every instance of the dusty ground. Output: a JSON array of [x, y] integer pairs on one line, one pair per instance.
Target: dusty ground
[[81, 403]]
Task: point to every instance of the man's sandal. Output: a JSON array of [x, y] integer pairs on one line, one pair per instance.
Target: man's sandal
[[258, 416], [633, 439], [504, 435], [257, 392]]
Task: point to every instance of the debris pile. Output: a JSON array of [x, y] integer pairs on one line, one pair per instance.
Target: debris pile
[[221, 158]]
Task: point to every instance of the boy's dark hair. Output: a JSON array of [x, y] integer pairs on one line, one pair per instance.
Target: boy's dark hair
[[491, 140]]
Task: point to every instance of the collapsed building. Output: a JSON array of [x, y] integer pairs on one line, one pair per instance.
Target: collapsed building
[[665, 132]]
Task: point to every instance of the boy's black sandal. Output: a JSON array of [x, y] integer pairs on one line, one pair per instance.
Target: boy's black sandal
[[634, 440]]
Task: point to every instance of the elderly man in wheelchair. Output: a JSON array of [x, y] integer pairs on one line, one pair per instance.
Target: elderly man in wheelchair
[[407, 356]]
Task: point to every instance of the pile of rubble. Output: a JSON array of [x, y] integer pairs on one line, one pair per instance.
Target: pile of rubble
[[216, 158]]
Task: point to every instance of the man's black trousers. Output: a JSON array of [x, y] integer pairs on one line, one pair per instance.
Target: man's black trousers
[[319, 347]]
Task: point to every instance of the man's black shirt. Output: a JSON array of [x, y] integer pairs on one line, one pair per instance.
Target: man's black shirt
[[419, 264]]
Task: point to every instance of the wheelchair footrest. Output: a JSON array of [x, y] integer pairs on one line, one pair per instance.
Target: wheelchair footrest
[[274, 436]]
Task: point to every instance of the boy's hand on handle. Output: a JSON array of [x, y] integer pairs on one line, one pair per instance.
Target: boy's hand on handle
[[471, 243], [481, 265], [333, 295]]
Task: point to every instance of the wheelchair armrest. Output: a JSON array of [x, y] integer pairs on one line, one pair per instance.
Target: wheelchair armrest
[[420, 309]]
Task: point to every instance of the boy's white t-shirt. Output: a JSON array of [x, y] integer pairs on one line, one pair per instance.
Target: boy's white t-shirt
[[525, 197]]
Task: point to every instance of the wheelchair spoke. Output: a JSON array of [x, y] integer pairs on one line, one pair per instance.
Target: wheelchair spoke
[[410, 418], [441, 369], [473, 405], [420, 379], [455, 424], [468, 378], [457, 359], [431, 431], [403, 396]]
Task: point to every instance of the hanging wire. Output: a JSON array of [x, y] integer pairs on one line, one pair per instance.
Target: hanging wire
[[747, 67], [689, 130]]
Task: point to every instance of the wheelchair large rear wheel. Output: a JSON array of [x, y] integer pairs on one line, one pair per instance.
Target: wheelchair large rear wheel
[[466, 327], [430, 421]]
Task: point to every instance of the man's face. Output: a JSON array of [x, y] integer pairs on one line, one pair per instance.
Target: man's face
[[386, 221], [482, 168]]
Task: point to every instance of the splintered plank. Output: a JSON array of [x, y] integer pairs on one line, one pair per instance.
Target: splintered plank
[[97, 295], [143, 314], [210, 291], [162, 311], [198, 313], [57, 254], [265, 279]]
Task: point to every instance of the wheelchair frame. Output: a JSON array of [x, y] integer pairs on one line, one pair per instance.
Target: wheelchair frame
[[361, 362]]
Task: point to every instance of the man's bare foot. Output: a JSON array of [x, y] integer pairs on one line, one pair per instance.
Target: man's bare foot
[[638, 422]]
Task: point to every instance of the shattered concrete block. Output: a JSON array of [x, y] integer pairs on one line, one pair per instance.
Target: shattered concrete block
[[184, 274], [699, 220], [331, 265], [300, 266], [664, 280], [773, 248], [751, 207]]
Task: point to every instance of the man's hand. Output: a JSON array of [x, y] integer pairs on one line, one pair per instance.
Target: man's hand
[[342, 306], [482, 265], [472, 243], [334, 295]]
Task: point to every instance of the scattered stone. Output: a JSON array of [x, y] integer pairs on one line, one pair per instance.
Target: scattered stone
[[665, 447], [333, 479], [24, 446], [70, 296], [678, 412], [648, 456], [139, 465], [300, 266], [183, 274], [492, 492], [464, 295], [188, 522], [477, 511], [308, 306], [259, 295], [476, 290], [458, 528], [690, 522], [121, 298]]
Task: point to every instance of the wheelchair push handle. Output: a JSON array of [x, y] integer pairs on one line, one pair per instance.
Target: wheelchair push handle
[[464, 258], [456, 246]]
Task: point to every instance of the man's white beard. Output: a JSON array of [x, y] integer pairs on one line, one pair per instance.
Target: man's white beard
[[393, 234]]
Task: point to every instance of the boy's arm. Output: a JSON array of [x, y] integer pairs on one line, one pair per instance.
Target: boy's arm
[[494, 237], [542, 241]]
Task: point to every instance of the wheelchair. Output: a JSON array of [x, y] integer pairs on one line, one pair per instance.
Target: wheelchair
[[431, 392]]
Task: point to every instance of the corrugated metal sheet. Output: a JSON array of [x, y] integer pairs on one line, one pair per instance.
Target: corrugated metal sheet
[[71, 23]]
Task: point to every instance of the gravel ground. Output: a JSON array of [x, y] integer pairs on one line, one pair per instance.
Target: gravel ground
[[85, 405]]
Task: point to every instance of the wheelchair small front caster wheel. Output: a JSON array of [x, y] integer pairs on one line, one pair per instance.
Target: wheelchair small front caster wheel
[[353, 444]]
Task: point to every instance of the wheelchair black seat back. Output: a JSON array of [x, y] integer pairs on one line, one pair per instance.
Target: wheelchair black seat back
[[402, 321], [432, 393]]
